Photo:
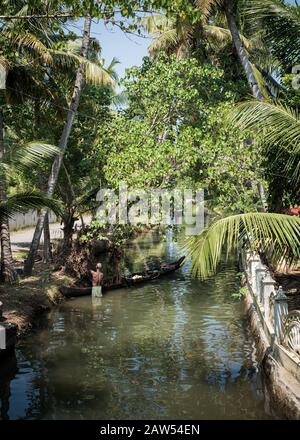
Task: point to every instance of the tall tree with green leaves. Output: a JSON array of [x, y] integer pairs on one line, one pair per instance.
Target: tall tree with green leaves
[[20, 48], [86, 68], [79, 82]]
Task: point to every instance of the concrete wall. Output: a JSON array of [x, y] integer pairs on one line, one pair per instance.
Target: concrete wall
[[19, 221], [281, 364]]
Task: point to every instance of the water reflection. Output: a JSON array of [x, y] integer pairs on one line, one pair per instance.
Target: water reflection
[[176, 348], [8, 371]]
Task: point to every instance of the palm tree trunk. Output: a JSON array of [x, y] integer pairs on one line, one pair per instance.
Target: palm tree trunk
[[47, 256], [79, 83], [241, 51], [256, 92], [68, 229], [8, 273]]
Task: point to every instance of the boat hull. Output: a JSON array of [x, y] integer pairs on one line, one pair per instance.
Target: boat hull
[[148, 276]]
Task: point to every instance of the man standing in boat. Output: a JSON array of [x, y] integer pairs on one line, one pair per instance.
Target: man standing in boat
[[97, 278]]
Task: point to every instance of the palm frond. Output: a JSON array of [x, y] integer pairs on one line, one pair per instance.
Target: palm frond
[[207, 6], [164, 41], [280, 123], [95, 73], [260, 9], [32, 154], [280, 126], [280, 23], [29, 41], [120, 99], [156, 23], [22, 202], [111, 68], [277, 233], [223, 35], [98, 75]]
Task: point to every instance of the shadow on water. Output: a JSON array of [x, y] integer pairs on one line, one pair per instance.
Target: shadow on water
[[177, 348], [8, 371]]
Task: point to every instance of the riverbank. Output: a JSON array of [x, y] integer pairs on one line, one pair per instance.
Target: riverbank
[[275, 332], [24, 303]]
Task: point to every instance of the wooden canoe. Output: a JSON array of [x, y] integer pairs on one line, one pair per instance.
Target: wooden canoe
[[135, 280]]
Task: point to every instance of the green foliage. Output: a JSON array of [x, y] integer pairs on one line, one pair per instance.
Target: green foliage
[[119, 234], [277, 233], [279, 129], [240, 294], [280, 23], [174, 133], [22, 202]]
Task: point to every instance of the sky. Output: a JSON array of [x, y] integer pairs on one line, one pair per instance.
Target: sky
[[127, 48]]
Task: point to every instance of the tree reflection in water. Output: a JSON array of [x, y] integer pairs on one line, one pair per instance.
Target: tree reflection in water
[[8, 371]]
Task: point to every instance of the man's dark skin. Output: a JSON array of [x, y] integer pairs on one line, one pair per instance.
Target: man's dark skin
[[97, 276]]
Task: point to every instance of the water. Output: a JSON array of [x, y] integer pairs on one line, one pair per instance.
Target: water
[[177, 348]]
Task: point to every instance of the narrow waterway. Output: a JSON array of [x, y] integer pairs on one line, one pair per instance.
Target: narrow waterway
[[177, 348]]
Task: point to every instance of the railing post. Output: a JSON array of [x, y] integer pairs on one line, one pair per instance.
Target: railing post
[[280, 310], [254, 263], [268, 285], [259, 273], [247, 261]]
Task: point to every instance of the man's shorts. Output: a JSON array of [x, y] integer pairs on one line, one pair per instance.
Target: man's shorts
[[97, 292]]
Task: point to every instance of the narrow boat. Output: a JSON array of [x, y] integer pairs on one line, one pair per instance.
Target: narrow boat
[[125, 282]]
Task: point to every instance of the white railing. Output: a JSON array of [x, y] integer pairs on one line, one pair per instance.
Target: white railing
[[271, 304]]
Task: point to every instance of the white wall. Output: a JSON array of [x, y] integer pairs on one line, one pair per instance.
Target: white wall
[[29, 219]]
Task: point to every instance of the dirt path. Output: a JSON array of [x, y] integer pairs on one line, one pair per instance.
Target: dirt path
[[21, 239]]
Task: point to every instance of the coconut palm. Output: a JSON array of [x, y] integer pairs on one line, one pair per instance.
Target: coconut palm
[[17, 158], [172, 35], [180, 36], [280, 126], [276, 234], [281, 23], [28, 51], [91, 69], [20, 202]]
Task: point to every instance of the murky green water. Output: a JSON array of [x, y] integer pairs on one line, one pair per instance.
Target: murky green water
[[176, 349]]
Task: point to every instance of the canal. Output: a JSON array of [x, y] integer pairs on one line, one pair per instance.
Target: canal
[[177, 348]]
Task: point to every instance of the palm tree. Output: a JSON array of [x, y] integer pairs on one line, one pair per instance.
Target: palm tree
[[281, 23], [172, 35], [280, 126], [20, 202], [95, 72], [242, 54], [180, 36], [16, 158], [13, 42], [21, 51], [276, 234]]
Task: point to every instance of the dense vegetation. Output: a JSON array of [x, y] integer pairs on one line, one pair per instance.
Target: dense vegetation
[[214, 106]]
